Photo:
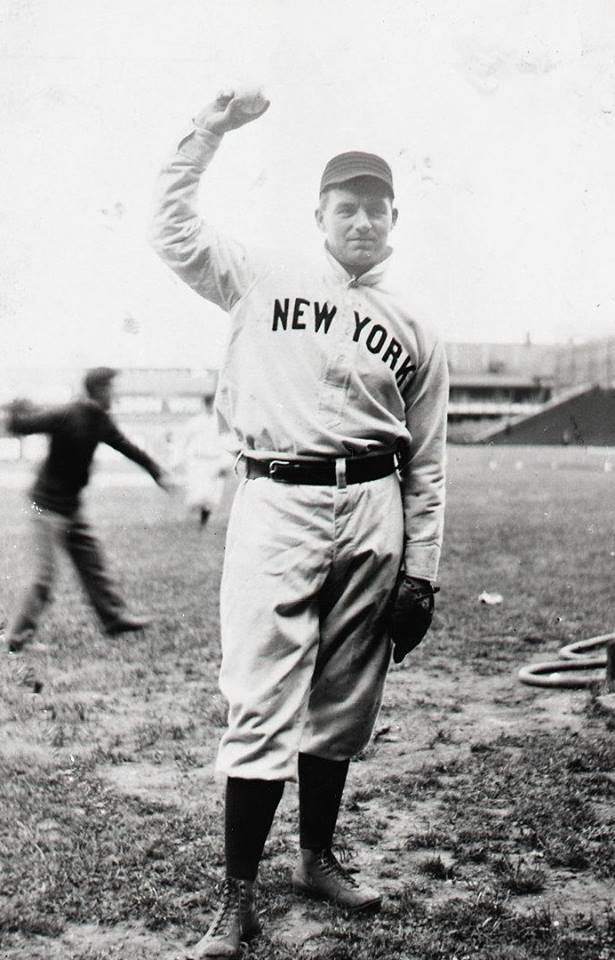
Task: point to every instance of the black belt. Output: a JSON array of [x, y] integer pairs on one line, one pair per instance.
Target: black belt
[[328, 473]]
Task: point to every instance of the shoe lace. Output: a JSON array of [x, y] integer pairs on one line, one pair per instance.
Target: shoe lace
[[223, 918], [330, 865]]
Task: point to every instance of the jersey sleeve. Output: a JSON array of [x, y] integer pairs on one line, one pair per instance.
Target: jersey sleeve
[[113, 437], [423, 475], [24, 419], [217, 268]]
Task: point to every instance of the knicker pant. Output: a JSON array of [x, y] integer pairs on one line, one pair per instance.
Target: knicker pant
[[51, 531], [307, 578]]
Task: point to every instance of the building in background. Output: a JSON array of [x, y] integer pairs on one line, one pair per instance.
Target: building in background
[[494, 382], [580, 410], [582, 416], [590, 364], [152, 406], [495, 387]]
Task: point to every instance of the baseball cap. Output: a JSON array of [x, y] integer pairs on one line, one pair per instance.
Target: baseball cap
[[98, 377], [347, 166]]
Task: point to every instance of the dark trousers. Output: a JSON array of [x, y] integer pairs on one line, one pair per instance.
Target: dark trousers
[[52, 531]]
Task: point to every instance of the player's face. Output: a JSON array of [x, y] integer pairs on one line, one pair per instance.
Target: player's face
[[357, 222], [104, 395]]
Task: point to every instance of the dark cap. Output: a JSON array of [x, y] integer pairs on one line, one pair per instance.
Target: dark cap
[[347, 166], [98, 377]]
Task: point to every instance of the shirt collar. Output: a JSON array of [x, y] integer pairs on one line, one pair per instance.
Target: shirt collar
[[369, 278]]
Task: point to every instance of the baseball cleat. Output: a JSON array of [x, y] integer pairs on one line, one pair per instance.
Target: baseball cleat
[[319, 874], [126, 624], [235, 923], [33, 646], [21, 639]]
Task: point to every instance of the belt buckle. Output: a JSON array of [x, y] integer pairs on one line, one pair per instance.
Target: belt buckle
[[273, 469]]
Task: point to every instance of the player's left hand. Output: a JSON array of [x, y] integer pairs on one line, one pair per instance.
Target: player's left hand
[[167, 482], [411, 613]]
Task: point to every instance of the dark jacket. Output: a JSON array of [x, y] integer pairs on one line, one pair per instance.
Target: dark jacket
[[74, 430]]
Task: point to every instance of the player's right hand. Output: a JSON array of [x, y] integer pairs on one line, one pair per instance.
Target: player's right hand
[[20, 406], [229, 111]]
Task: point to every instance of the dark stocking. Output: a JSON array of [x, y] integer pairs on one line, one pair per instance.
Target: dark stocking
[[321, 784], [249, 810]]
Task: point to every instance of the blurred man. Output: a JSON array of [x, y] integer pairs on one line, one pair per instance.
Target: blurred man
[[201, 457], [74, 431]]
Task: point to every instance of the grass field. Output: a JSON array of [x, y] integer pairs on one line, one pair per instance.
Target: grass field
[[483, 808]]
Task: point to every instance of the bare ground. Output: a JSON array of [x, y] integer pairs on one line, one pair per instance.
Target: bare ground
[[127, 707]]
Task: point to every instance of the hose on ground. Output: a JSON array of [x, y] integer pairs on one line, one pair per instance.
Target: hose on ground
[[574, 669]]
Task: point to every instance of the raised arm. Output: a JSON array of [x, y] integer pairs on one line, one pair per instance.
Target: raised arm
[[218, 269]]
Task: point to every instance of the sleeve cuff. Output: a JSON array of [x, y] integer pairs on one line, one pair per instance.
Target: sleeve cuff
[[422, 563], [198, 144]]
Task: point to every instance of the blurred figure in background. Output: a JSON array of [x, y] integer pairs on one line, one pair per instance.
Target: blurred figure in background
[[74, 430], [203, 461]]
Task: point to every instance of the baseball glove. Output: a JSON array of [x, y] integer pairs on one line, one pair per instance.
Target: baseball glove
[[14, 410], [412, 609]]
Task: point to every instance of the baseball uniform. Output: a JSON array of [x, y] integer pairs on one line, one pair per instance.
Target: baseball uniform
[[320, 365]]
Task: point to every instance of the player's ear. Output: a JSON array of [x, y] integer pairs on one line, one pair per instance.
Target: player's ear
[[394, 215], [318, 218]]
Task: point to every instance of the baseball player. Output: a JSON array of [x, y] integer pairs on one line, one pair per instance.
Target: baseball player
[[335, 394], [204, 462], [74, 430]]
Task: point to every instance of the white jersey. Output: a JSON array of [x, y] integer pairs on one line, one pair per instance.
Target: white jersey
[[319, 363], [203, 461]]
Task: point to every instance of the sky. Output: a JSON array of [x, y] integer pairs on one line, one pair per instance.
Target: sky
[[497, 116]]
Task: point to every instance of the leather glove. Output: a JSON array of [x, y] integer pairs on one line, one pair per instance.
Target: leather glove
[[412, 609], [17, 408]]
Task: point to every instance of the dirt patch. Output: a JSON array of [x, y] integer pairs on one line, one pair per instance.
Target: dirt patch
[[119, 942], [418, 819], [165, 783], [569, 893], [297, 928]]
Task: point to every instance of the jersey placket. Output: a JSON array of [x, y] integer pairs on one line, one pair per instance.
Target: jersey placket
[[340, 363]]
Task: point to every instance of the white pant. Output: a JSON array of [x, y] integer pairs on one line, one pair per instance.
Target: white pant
[[307, 576]]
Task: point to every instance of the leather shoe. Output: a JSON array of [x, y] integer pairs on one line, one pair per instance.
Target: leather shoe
[[320, 874], [235, 922], [126, 624]]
